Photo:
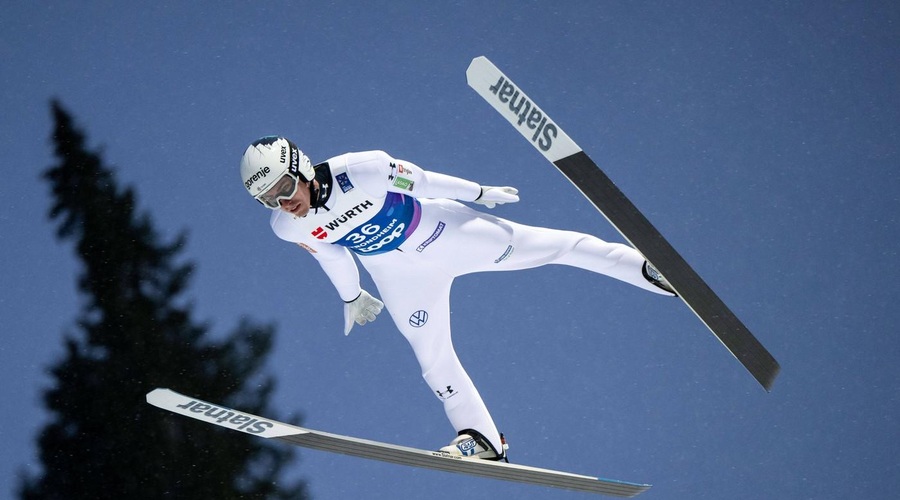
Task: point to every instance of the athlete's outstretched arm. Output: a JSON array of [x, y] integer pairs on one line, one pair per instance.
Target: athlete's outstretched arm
[[339, 266], [384, 172]]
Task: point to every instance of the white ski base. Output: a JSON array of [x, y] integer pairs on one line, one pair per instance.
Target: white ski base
[[251, 424]]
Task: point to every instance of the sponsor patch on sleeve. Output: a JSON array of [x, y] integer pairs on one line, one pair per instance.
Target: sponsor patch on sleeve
[[403, 183], [344, 182]]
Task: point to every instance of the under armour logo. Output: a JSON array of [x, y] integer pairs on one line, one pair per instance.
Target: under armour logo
[[418, 319], [446, 394]]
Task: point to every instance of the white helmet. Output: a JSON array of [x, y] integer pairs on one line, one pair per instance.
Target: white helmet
[[269, 159]]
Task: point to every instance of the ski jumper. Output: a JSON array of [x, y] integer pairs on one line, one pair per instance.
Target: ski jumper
[[414, 239]]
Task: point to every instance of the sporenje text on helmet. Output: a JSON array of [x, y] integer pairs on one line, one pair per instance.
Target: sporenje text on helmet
[[257, 176]]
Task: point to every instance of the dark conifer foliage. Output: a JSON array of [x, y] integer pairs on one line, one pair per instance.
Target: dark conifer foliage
[[136, 333]]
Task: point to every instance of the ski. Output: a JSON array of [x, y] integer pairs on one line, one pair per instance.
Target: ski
[[298, 436], [550, 140]]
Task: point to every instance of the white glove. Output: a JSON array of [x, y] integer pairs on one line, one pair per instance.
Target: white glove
[[493, 196], [361, 309]]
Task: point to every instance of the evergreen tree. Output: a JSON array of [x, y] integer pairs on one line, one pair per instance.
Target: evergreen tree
[[134, 334]]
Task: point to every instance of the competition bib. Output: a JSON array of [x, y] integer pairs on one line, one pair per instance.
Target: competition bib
[[387, 229]]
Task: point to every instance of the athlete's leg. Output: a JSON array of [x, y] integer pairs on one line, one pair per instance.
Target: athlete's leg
[[539, 246], [418, 299], [473, 241]]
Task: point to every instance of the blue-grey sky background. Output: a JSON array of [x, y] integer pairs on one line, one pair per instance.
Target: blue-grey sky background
[[760, 137]]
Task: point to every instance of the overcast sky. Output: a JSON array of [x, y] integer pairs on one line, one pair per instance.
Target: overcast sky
[[760, 137]]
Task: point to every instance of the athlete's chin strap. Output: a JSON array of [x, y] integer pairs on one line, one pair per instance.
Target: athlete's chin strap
[[316, 198], [321, 191]]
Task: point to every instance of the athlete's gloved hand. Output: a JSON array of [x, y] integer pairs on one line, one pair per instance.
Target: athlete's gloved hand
[[493, 196], [361, 309]]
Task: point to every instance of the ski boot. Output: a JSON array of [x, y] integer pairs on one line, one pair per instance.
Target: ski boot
[[471, 443], [655, 277]]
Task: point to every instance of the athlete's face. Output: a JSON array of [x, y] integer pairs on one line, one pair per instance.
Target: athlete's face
[[298, 205]]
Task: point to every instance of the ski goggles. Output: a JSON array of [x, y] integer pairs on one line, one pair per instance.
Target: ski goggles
[[284, 189]]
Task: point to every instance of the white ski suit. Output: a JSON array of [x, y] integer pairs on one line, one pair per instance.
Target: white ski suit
[[414, 239]]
